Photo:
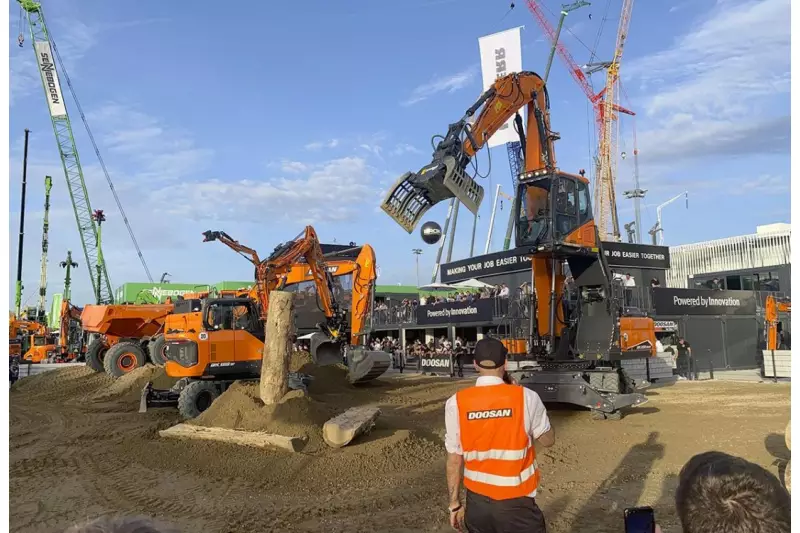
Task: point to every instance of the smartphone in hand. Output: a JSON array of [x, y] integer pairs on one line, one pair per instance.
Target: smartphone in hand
[[640, 520]]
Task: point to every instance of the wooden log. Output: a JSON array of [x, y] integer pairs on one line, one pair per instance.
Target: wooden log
[[787, 477], [788, 435], [341, 430], [277, 347], [256, 439]]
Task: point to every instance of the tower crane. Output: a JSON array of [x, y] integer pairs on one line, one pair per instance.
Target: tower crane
[[46, 57], [603, 105], [604, 183], [48, 184]]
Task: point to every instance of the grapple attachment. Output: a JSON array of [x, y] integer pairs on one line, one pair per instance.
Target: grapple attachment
[[362, 365], [413, 194]]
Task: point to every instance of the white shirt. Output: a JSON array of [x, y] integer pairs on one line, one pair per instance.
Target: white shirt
[[630, 282], [504, 292], [537, 422]]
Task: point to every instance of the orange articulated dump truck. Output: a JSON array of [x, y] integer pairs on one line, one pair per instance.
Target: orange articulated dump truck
[[212, 343]]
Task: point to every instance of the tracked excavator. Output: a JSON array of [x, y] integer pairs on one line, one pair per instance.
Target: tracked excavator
[[575, 358], [211, 343]]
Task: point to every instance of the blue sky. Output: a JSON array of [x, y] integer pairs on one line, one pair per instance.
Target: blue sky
[[260, 121]]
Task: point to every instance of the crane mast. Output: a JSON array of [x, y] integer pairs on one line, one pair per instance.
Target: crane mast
[[48, 184], [70, 161], [604, 186], [68, 265], [18, 291]]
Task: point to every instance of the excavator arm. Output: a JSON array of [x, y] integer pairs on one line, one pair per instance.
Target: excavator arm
[[446, 176], [233, 244]]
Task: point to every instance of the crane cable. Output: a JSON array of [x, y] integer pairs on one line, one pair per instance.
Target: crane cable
[[99, 157]]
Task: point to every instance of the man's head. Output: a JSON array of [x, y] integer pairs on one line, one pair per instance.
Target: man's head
[[719, 492], [628, 275], [490, 357]]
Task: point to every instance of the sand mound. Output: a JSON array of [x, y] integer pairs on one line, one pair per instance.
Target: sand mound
[[131, 384], [297, 415], [63, 383], [326, 379]]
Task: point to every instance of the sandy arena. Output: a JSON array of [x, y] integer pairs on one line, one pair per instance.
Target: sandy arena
[[79, 449]]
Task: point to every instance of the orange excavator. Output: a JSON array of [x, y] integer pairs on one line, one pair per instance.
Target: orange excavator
[[576, 358], [212, 343], [68, 345], [774, 327]]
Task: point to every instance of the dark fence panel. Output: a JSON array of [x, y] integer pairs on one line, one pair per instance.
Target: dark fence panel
[[705, 336], [741, 342]]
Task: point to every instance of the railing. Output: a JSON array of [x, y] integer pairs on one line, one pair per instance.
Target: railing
[[503, 307]]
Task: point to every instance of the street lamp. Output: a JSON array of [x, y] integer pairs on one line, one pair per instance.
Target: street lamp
[[417, 252]]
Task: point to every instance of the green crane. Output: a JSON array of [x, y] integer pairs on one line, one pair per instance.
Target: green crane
[[68, 265], [48, 184], [87, 219]]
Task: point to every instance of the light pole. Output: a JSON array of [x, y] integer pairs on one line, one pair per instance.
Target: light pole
[[417, 252]]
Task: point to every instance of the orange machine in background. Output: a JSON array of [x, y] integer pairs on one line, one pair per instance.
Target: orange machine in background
[[773, 326]]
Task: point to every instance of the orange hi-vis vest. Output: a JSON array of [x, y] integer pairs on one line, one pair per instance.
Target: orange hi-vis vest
[[499, 457]]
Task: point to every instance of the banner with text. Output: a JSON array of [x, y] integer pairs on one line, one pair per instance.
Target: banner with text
[[439, 364], [484, 265], [455, 312], [47, 68], [501, 54], [671, 302], [625, 254]]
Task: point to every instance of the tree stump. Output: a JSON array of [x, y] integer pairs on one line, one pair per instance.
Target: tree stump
[[341, 430], [277, 347]]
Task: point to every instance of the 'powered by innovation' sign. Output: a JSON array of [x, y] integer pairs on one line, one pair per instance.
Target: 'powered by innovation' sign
[[703, 302]]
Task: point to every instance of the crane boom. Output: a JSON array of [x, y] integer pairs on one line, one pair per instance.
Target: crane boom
[[70, 161], [48, 184]]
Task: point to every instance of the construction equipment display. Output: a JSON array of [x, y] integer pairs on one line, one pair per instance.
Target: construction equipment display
[[213, 342], [576, 358]]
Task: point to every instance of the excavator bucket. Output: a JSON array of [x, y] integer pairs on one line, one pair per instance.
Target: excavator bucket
[[413, 194], [362, 365]]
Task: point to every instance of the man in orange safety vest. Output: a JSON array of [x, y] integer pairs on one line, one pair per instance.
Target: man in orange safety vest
[[491, 428]]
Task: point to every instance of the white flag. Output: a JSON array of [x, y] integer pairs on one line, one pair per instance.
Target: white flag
[[47, 68], [501, 54]]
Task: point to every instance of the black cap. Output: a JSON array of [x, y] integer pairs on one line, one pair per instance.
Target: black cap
[[490, 353]]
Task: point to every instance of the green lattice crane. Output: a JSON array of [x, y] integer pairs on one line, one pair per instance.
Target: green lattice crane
[[88, 225], [48, 184]]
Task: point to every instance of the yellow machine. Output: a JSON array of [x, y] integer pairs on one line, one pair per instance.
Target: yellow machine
[[211, 343], [577, 357]]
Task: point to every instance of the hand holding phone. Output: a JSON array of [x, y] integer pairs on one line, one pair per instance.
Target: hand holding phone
[[640, 520]]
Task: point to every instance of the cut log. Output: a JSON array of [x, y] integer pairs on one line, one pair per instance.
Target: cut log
[[255, 439], [277, 348], [788, 435], [341, 430], [787, 477]]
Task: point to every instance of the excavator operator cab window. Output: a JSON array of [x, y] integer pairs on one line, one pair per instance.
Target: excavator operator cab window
[[39, 340], [549, 209], [566, 208], [228, 314]]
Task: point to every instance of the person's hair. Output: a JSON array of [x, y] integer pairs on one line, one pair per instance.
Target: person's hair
[[121, 524], [720, 492]]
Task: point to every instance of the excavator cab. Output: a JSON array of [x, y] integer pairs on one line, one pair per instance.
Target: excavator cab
[[554, 212]]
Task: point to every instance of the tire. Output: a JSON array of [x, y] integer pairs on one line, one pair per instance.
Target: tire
[[95, 354], [196, 397], [124, 357], [157, 355]]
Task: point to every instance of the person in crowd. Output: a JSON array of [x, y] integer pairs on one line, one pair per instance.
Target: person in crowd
[[630, 286], [684, 361], [423, 300], [503, 292], [719, 492], [500, 494], [655, 283]]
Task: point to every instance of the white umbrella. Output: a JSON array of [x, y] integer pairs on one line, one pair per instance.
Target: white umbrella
[[472, 284], [437, 287]]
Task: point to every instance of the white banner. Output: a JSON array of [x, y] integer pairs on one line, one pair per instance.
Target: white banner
[[47, 68], [501, 54]]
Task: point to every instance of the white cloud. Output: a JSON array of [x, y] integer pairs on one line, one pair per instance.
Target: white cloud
[[722, 88], [334, 191], [293, 166], [439, 84], [318, 145], [159, 152], [404, 148]]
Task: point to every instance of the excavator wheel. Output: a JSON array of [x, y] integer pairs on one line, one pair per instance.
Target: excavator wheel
[[157, 347], [123, 358], [95, 355], [196, 397]]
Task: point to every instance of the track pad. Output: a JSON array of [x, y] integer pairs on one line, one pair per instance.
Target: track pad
[[415, 193]]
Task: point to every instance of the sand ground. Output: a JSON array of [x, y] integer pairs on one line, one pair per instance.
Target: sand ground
[[79, 448]]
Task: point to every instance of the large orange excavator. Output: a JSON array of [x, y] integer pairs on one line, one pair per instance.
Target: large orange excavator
[[212, 343], [576, 358], [68, 345]]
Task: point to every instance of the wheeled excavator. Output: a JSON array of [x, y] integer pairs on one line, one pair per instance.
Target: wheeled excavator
[[211, 343], [575, 358]]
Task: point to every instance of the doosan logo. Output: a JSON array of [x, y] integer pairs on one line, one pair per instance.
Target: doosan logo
[[431, 231], [436, 362], [491, 413]]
